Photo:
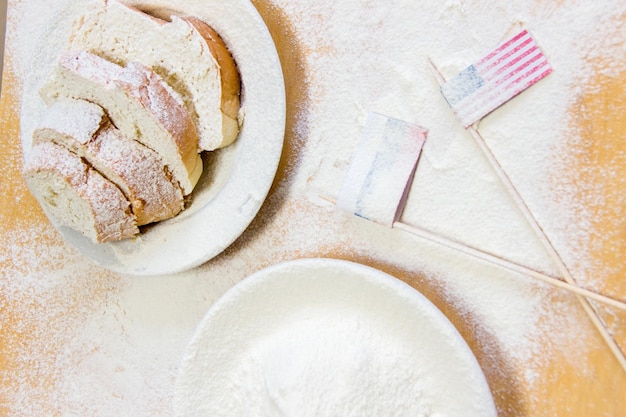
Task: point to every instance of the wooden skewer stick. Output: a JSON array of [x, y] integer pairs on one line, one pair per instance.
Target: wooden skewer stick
[[515, 195], [506, 264], [498, 261]]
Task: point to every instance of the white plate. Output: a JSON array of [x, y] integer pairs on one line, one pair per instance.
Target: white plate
[[322, 337], [231, 191]]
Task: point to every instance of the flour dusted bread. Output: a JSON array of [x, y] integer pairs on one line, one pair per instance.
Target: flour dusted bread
[[230, 84], [185, 51], [130, 106], [74, 195], [138, 102], [84, 128]]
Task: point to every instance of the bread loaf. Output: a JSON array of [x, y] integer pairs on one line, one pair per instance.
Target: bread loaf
[[186, 52], [138, 102], [83, 128], [131, 105], [73, 194]]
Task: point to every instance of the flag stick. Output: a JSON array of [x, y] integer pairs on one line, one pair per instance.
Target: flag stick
[[498, 261], [515, 195], [506, 264]]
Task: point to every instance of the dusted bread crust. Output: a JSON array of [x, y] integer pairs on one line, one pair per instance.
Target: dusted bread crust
[[229, 77], [75, 195], [138, 102], [84, 128], [203, 72]]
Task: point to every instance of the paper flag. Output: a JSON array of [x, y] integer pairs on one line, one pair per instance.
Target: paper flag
[[382, 166], [512, 67]]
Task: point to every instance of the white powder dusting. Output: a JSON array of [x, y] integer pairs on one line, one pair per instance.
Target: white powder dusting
[[389, 353], [138, 171], [95, 343], [77, 196], [84, 341], [455, 192]]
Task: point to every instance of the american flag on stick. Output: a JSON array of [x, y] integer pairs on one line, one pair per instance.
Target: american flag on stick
[[512, 67]]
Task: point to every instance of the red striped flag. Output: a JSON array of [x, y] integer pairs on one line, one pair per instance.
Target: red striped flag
[[512, 67]]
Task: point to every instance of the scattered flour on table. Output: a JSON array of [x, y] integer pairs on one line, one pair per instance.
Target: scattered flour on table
[[375, 68], [380, 64], [113, 343]]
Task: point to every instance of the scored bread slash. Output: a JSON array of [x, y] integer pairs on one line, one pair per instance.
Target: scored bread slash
[[74, 195], [503, 73], [381, 169], [84, 128], [138, 102]]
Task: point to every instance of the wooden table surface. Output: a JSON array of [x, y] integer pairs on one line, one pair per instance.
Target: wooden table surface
[[582, 379]]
